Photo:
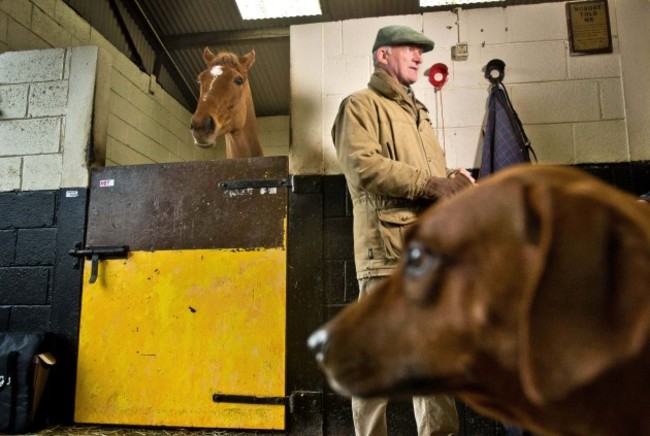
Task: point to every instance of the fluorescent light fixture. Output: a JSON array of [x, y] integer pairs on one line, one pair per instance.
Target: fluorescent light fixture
[[261, 9], [427, 3]]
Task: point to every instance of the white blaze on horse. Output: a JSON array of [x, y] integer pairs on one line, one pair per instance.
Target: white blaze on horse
[[225, 105]]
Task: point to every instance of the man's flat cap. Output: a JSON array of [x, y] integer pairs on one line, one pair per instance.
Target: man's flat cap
[[401, 35]]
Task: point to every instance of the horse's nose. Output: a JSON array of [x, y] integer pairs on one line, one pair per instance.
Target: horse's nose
[[317, 343], [205, 125]]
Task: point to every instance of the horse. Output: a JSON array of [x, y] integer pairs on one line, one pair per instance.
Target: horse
[[225, 106]]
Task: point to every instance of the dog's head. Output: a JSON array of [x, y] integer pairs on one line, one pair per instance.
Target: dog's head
[[538, 275]]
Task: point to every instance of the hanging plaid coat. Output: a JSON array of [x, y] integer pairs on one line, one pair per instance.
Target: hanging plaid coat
[[505, 142]]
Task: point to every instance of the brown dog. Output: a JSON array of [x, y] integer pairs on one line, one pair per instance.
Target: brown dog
[[527, 297]]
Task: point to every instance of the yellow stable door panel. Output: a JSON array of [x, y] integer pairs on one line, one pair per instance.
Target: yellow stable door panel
[[185, 338]]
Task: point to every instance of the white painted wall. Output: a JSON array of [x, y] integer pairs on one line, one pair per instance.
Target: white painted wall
[[575, 109]]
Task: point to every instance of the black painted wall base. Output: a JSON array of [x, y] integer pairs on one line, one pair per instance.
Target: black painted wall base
[[40, 284]]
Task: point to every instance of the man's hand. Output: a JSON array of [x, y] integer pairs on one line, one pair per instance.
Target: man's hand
[[441, 187], [465, 173]]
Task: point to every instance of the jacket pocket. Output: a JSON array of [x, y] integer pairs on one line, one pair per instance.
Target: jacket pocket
[[392, 225]]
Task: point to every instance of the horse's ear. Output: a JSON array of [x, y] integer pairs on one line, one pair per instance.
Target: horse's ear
[[207, 55], [248, 60]]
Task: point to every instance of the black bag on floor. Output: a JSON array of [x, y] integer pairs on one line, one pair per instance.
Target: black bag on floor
[[21, 382]]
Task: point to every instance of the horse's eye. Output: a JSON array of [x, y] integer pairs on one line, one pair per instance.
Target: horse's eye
[[239, 80]]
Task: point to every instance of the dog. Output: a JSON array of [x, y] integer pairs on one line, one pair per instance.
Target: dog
[[526, 297]]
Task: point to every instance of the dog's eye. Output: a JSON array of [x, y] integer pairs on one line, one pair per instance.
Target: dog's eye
[[422, 273], [419, 260]]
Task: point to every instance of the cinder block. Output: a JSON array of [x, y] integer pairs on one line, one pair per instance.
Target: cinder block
[[36, 247], [306, 95], [31, 317], [542, 22], [21, 11], [42, 172], [306, 71], [271, 139], [121, 154], [442, 28], [334, 281], [10, 172], [462, 107], [355, 69], [332, 39], [49, 30], [334, 196], [7, 247], [337, 239], [611, 97], [483, 26], [556, 102], [467, 73], [594, 67], [530, 61], [351, 282], [604, 141], [120, 85], [553, 143], [13, 101], [46, 6], [122, 108], [24, 285], [118, 129], [30, 136], [462, 146], [3, 29], [275, 123], [48, 99], [21, 38], [72, 22], [27, 209], [31, 66]]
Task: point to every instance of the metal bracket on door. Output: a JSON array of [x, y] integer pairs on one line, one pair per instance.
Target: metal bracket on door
[[248, 399], [97, 253], [255, 184]]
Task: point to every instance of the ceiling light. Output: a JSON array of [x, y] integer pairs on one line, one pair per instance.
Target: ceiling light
[[427, 3], [261, 9]]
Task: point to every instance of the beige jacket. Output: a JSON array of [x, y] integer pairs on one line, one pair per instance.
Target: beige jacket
[[387, 149]]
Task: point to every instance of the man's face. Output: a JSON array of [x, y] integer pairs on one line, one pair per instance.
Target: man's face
[[402, 62]]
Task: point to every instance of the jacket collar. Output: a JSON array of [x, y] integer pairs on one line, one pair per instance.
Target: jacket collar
[[387, 86]]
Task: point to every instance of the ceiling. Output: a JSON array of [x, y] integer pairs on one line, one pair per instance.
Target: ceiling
[[166, 38]]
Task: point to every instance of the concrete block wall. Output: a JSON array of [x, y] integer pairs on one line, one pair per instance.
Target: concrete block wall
[[575, 109], [135, 121], [45, 116]]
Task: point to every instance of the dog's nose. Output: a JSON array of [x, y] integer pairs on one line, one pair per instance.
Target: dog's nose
[[317, 343]]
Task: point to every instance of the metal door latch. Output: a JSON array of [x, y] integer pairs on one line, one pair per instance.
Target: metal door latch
[[97, 253]]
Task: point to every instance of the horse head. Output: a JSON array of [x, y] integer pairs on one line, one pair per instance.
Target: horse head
[[225, 102]]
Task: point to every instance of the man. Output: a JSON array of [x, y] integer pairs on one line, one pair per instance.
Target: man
[[395, 168]]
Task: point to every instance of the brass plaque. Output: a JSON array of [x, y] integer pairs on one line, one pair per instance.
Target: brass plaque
[[589, 30]]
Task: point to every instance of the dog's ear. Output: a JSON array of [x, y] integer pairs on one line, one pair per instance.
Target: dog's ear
[[587, 309]]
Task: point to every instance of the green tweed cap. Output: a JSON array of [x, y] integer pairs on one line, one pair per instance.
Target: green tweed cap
[[401, 35]]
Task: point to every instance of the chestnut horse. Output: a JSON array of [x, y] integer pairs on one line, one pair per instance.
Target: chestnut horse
[[225, 105]]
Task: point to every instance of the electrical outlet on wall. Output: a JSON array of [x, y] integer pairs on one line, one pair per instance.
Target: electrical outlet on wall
[[460, 51]]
